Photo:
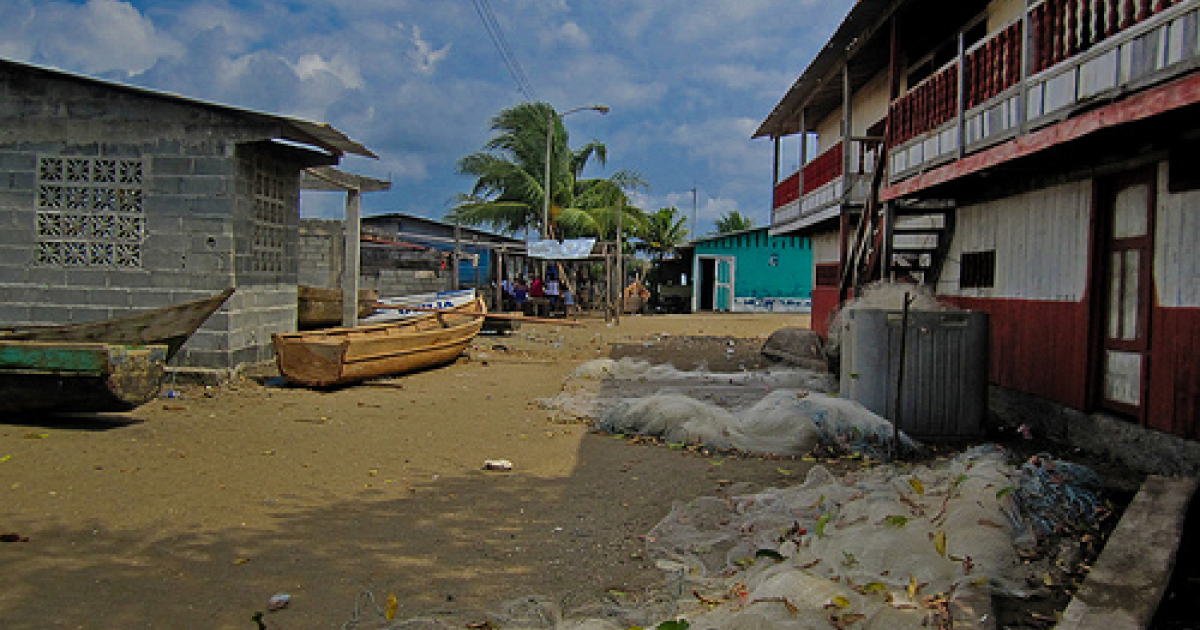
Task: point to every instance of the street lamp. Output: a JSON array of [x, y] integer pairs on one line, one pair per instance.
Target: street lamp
[[603, 109]]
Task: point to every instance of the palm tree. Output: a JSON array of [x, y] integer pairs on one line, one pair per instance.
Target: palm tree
[[509, 190], [663, 231], [734, 222]]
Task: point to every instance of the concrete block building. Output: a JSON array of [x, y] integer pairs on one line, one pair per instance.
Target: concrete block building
[[752, 272], [115, 198]]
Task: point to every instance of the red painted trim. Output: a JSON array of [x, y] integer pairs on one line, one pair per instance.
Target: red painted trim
[[1037, 347], [824, 306], [1173, 393], [1153, 102]]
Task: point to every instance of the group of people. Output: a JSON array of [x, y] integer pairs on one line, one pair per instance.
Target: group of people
[[558, 296]]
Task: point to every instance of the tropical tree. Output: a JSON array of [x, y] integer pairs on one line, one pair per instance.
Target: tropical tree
[[734, 222], [663, 231], [510, 188]]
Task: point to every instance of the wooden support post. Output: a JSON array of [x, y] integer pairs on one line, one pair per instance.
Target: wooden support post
[[353, 230]]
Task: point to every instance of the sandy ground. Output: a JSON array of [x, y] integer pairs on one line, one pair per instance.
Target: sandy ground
[[191, 512]]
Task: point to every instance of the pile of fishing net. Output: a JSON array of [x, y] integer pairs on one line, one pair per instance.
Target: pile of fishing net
[[893, 547], [887, 548], [777, 412]]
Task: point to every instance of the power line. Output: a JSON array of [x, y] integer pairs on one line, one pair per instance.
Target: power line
[[501, 43]]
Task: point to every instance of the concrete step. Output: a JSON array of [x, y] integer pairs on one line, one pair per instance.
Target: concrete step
[[1125, 586]]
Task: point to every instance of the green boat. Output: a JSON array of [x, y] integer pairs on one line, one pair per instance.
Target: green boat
[[60, 377]]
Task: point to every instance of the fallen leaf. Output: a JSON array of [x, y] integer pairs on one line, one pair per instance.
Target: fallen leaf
[[896, 521], [393, 605], [939, 543], [917, 485], [821, 522], [36, 436]]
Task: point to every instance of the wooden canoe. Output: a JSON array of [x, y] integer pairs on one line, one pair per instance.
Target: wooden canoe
[[338, 356], [320, 306], [169, 325], [51, 377]]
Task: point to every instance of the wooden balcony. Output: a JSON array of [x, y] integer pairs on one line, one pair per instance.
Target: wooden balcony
[[817, 191], [1060, 57]]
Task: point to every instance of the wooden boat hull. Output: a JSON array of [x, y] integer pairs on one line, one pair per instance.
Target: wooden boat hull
[[441, 300], [338, 356], [169, 325], [319, 306], [53, 377]]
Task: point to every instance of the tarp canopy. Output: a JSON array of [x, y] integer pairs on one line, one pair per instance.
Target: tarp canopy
[[570, 249]]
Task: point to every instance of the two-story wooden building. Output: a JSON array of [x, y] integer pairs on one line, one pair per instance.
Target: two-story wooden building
[[1036, 160]]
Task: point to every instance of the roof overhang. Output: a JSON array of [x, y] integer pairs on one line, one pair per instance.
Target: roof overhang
[[307, 132], [820, 86]]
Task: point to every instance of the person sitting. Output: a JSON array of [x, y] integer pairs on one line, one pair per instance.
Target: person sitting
[[568, 302], [520, 294], [538, 288], [552, 292]]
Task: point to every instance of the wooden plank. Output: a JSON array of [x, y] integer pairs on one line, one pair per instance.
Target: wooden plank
[[1126, 584]]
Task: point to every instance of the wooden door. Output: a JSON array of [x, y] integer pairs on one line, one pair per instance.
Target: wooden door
[[1127, 291]]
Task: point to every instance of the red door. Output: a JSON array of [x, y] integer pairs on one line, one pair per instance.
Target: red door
[[1127, 291]]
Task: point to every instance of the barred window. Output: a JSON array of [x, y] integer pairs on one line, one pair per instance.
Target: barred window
[[978, 270], [275, 199], [90, 212]]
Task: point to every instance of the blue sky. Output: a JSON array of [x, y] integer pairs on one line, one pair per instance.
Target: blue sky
[[417, 81]]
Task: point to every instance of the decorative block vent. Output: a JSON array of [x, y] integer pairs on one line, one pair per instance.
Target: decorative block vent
[[90, 212]]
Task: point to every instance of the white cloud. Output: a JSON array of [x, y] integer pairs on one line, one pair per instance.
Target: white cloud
[[104, 36], [425, 55]]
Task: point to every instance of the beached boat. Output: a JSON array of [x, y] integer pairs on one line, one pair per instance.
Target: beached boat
[[422, 301], [46, 377], [320, 306], [169, 325], [337, 356]]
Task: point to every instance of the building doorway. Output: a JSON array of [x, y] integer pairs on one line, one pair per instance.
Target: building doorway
[[1125, 260], [714, 283]]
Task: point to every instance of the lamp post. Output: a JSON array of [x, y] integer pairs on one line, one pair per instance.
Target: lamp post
[[603, 109]]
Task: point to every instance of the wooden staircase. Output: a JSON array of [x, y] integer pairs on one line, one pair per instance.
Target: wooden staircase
[[904, 242]]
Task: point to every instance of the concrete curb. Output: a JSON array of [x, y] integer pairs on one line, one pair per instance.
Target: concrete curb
[[1124, 588]]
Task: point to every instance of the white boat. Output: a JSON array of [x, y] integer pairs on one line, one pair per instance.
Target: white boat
[[441, 300]]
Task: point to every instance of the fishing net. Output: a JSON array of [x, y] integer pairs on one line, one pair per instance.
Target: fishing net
[[892, 547], [889, 547], [881, 296], [777, 412]]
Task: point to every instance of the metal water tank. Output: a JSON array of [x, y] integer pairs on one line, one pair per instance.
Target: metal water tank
[[944, 393]]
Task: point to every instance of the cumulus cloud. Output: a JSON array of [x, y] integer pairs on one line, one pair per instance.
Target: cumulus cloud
[[418, 81], [424, 55], [102, 36]]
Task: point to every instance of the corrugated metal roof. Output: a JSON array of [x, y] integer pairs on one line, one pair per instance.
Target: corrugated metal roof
[[317, 134], [861, 19]]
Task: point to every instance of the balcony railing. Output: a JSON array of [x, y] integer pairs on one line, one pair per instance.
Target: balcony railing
[[823, 182], [1017, 80]]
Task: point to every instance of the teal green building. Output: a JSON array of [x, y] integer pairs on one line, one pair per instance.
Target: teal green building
[[752, 272]]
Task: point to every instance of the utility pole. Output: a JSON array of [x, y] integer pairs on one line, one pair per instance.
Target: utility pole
[[693, 213]]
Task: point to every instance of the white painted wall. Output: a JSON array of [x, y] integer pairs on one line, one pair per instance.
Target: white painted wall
[[870, 104], [1001, 13], [827, 247], [1177, 246], [1041, 243]]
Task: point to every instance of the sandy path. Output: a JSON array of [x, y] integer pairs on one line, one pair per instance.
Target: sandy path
[[191, 512]]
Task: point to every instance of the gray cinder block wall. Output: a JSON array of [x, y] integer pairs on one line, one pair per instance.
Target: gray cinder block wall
[[393, 270], [113, 201]]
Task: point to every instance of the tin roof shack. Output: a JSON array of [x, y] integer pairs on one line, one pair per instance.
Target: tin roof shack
[[1035, 160], [476, 248], [116, 198], [752, 271]]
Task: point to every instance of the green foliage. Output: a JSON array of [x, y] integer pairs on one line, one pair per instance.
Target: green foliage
[[734, 222], [510, 182]]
